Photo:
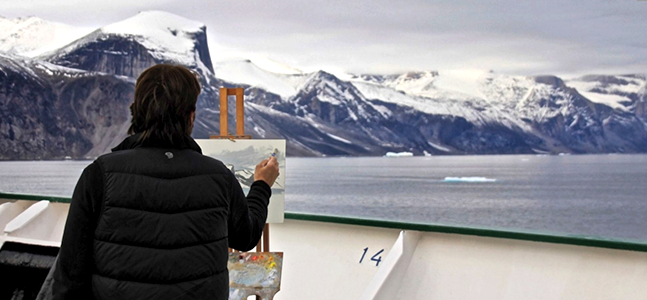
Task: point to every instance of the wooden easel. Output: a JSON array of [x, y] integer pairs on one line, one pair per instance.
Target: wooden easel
[[240, 134]]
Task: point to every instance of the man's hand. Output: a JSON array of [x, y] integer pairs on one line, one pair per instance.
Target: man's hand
[[267, 170]]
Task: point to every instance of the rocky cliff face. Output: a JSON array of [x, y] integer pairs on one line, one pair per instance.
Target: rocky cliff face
[[109, 54], [52, 114]]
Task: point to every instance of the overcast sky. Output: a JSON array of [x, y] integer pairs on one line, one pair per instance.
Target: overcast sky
[[519, 37]]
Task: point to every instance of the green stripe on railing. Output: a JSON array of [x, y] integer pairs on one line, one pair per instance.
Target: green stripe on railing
[[475, 231], [33, 197]]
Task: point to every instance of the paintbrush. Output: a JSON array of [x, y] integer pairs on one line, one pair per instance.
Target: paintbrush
[[274, 155]]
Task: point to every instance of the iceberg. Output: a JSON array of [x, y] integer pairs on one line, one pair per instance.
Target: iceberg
[[398, 154], [469, 179]]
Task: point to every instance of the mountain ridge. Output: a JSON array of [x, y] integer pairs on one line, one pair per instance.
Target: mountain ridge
[[318, 113]]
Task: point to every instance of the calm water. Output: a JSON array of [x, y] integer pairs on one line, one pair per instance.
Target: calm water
[[595, 195]]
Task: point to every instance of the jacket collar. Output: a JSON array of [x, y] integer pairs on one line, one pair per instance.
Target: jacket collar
[[133, 141]]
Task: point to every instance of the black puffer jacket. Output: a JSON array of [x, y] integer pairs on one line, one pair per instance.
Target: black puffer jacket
[[155, 223]]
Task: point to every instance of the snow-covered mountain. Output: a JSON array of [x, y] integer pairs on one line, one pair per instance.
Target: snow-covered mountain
[[533, 113], [85, 87], [74, 101], [130, 46]]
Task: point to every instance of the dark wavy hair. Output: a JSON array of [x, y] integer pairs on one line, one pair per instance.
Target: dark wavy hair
[[165, 97]]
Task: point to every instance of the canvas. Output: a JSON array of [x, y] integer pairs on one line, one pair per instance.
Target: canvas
[[241, 157]]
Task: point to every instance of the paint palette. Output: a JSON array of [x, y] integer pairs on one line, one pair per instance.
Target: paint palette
[[254, 273]]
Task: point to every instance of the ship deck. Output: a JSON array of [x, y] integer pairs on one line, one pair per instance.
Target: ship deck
[[334, 257]]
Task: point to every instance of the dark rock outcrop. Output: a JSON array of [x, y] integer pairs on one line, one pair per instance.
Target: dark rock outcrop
[[53, 115]]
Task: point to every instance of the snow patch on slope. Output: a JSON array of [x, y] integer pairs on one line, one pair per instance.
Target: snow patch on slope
[[343, 140], [412, 82], [33, 36], [16, 64], [243, 71], [274, 67], [454, 84], [423, 104], [612, 91], [504, 89], [613, 101], [461, 81], [439, 147], [52, 69]]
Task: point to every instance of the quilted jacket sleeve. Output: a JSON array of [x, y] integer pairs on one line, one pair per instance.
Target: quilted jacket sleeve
[[247, 215]]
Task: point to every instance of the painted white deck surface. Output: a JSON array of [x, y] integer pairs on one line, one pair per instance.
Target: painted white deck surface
[[32, 222], [322, 261], [448, 266], [452, 266]]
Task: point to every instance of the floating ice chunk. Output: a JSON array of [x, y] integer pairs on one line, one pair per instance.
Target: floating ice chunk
[[398, 154], [469, 179]]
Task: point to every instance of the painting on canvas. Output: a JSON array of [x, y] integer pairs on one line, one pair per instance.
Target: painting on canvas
[[241, 157]]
